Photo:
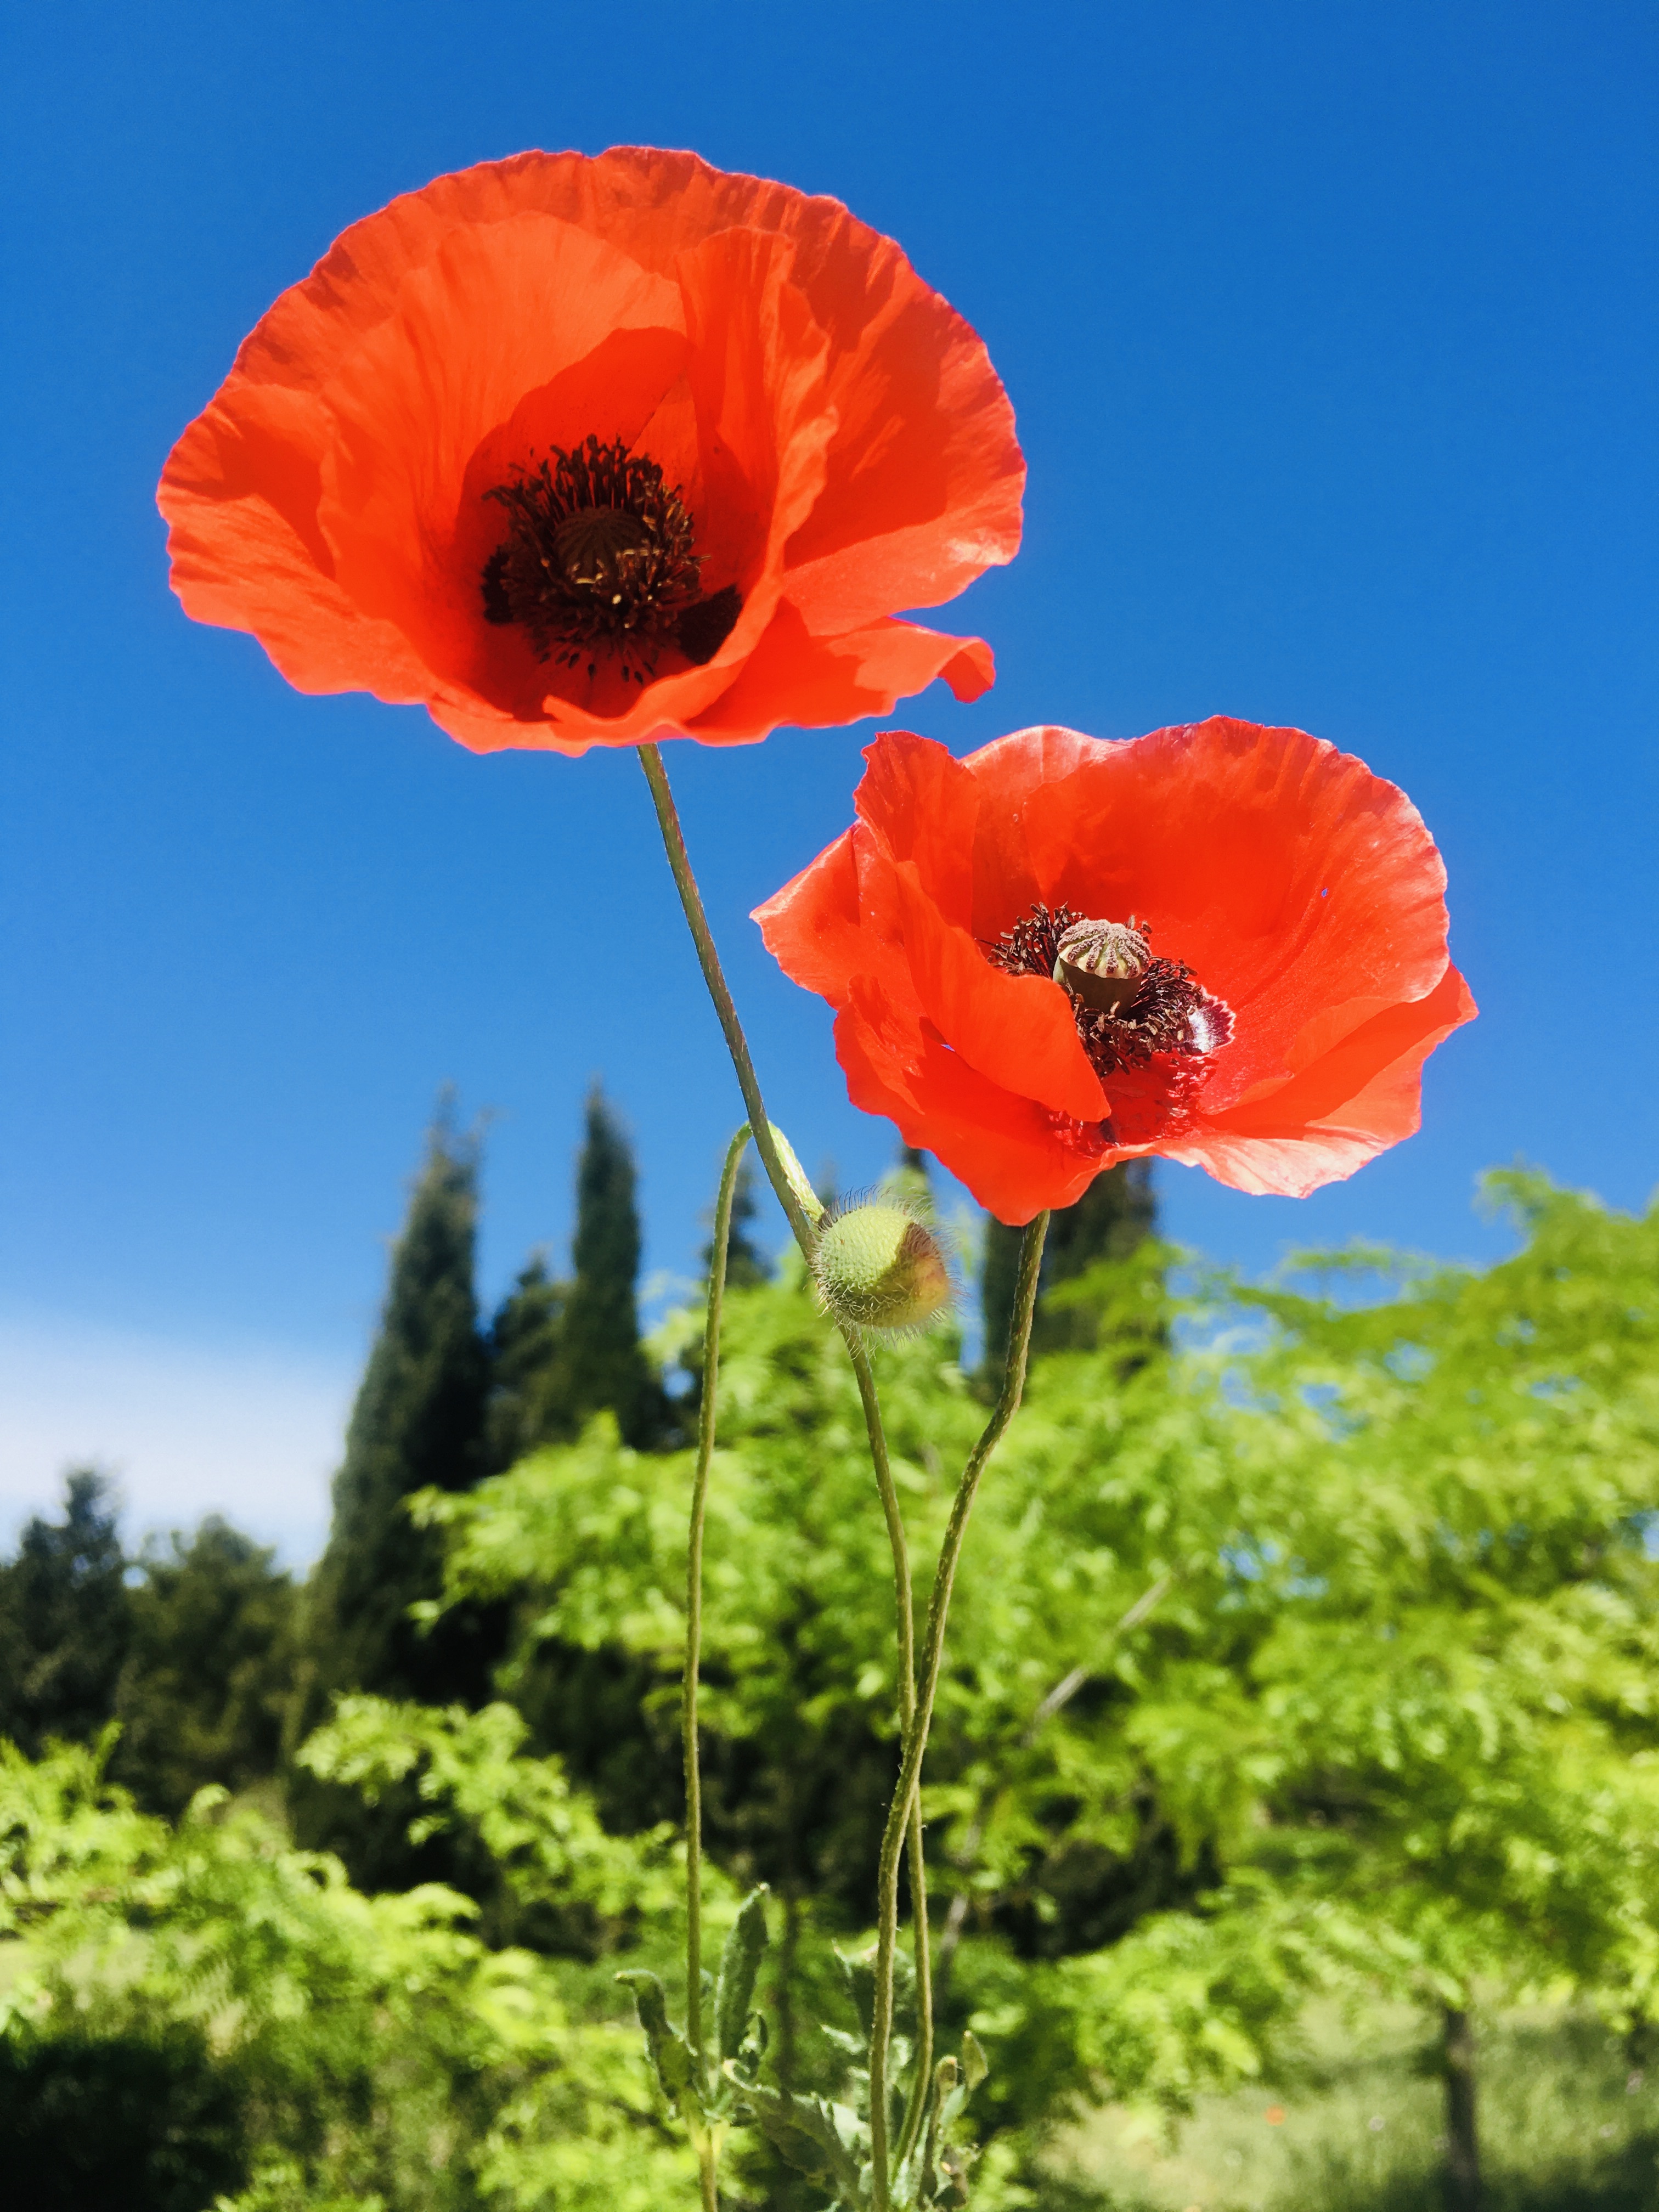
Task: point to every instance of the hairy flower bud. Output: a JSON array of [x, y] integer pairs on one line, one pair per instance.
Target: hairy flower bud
[[879, 1267]]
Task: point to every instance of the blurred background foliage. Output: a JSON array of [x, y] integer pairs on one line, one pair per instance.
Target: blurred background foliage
[[1297, 1749]]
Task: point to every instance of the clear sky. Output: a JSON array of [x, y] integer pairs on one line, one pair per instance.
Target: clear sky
[[1330, 329]]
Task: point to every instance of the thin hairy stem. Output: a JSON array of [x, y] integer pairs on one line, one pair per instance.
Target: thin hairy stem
[[921, 2080], [685, 881], [679, 861], [906, 1795], [711, 1361]]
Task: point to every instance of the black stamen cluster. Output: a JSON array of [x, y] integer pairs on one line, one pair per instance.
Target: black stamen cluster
[[1170, 1010], [598, 558]]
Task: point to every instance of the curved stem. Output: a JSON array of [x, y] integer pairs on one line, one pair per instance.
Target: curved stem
[[906, 1793], [685, 881], [711, 1360]]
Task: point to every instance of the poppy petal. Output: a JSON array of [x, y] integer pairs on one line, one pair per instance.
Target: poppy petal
[[1362, 1097], [1006, 1149], [815, 682]]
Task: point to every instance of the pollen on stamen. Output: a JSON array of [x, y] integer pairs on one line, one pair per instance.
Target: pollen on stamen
[[1129, 1004], [598, 563]]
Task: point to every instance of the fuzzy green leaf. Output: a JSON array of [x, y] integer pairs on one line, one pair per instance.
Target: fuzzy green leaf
[[819, 2139], [739, 1964], [670, 2054]]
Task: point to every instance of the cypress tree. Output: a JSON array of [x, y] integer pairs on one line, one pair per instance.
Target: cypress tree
[[417, 1422], [528, 1389], [65, 1621], [1115, 1215], [603, 1362], [1113, 1218]]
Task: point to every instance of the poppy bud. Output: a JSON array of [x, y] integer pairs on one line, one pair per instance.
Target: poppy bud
[[1101, 962], [879, 1267]]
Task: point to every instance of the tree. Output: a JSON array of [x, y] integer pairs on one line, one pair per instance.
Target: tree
[[65, 1619], [204, 1694], [528, 1379], [418, 1423], [604, 1362], [562, 1350], [1453, 1696], [1393, 1697], [1115, 1215], [196, 2007], [1322, 1663]]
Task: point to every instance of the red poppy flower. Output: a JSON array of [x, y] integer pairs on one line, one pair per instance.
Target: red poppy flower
[[1223, 943], [581, 452]]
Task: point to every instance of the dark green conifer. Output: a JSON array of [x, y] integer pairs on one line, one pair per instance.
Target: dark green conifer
[[529, 1383], [604, 1362], [1115, 1215], [204, 1693], [65, 1621], [417, 1422]]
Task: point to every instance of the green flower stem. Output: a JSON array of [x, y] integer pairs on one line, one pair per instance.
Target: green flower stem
[[907, 1795], [668, 820], [685, 883], [921, 2079], [711, 1360]]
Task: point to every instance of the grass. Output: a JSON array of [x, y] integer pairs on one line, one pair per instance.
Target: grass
[[1566, 2125]]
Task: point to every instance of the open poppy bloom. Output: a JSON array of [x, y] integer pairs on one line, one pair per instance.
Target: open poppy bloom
[[580, 452], [1223, 944]]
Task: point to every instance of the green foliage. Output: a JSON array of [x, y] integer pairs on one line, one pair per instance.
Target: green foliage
[[64, 1619], [203, 1693], [1311, 1649], [1452, 1696], [604, 1362], [561, 1351], [375, 2050], [800, 1695], [1114, 1217], [585, 1891]]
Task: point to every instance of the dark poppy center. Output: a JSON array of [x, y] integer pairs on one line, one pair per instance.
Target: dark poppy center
[[1128, 1006], [598, 562]]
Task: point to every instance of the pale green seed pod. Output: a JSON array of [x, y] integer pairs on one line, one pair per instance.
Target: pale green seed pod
[[879, 1267], [1101, 963]]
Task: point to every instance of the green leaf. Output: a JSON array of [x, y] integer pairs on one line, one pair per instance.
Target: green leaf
[[974, 2066], [739, 1964], [670, 2054], [821, 2140]]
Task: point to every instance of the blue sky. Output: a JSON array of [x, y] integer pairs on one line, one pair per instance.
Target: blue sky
[[1330, 331]]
